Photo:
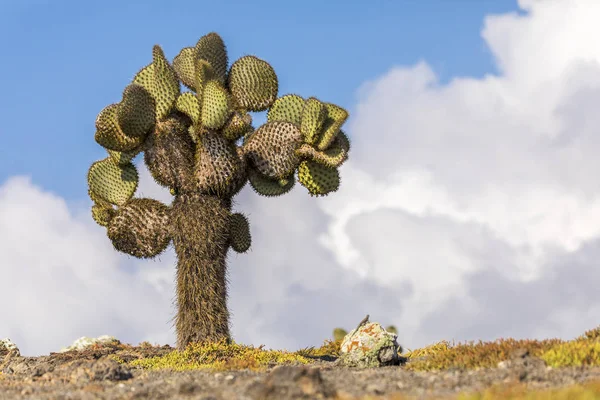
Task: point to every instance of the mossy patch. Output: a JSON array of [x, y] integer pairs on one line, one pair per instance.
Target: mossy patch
[[220, 356], [583, 351], [574, 354]]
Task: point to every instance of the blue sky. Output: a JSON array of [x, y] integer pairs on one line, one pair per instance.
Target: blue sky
[[469, 207], [69, 59]]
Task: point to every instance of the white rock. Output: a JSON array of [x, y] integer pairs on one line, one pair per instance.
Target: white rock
[[369, 346], [85, 341], [7, 346]]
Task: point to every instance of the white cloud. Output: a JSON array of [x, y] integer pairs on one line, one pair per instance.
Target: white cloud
[[467, 211], [61, 278], [503, 167]]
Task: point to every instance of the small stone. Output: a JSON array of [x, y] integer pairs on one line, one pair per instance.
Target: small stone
[[8, 347], [85, 341], [369, 346]]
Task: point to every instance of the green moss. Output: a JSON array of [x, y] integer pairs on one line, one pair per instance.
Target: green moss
[[220, 356], [585, 350], [575, 353], [477, 355], [116, 358]]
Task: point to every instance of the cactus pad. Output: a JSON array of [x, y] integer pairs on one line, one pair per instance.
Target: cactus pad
[[113, 183], [237, 126], [287, 108], [140, 228], [239, 232], [211, 48], [98, 200], [184, 66], [215, 105], [160, 79], [332, 157], [271, 148], [170, 154], [342, 140], [203, 73], [188, 104], [102, 214], [218, 168], [336, 116], [122, 157], [253, 83], [136, 113], [269, 187], [109, 134], [318, 179], [313, 116]]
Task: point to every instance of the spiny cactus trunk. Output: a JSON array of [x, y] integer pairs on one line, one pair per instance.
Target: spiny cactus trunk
[[201, 239]]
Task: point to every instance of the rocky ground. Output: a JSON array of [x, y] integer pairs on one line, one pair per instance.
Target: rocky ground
[[105, 372]]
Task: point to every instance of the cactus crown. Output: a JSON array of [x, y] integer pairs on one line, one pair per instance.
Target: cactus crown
[[189, 138]]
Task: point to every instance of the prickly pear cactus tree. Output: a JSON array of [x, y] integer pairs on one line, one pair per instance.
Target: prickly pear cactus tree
[[200, 143]]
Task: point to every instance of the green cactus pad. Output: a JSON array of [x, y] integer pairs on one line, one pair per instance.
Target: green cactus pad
[[239, 232], [237, 126], [113, 183], [215, 105], [102, 214], [342, 140], [140, 228], [331, 159], [122, 157], [184, 66], [313, 116], [218, 168], [137, 112], [160, 79], [109, 133], [266, 186], [287, 108], [211, 48], [99, 200], [318, 179], [188, 104], [203, 73], [271, 148], [253, 83], [336, 116]]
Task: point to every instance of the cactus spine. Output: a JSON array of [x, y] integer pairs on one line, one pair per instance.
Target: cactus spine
[[189, 140]]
